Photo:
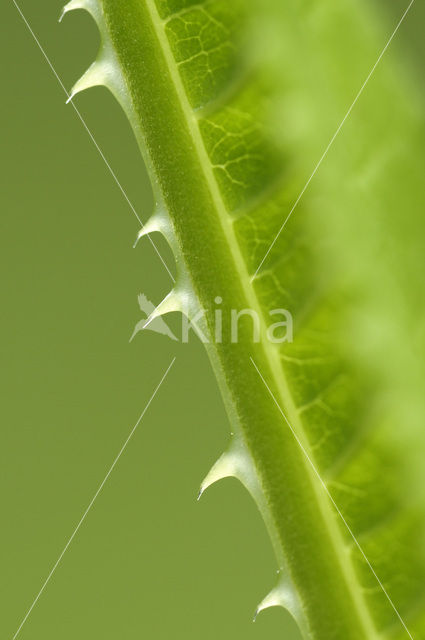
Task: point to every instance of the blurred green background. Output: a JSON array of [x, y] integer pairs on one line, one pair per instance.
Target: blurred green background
[[149, 561]]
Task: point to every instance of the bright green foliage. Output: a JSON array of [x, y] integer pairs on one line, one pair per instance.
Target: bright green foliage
[[232, 105]]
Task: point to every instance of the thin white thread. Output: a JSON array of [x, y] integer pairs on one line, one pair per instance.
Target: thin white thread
[[102, 484], [333, 139], [331, 499], [83, 122]]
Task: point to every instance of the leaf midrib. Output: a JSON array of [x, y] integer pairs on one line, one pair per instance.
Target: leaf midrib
[[123, 36], [270, 350]]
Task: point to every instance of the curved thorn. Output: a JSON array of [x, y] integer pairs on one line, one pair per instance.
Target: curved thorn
[[96, 75], [282, 595], [151, 226], [225, 467], [171, 302], [72, 6], [271, 600]]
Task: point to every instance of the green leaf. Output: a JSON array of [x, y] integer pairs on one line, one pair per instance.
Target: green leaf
[[232, 105]]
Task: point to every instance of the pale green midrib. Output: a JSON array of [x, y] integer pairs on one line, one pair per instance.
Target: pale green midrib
[[270, 351]]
